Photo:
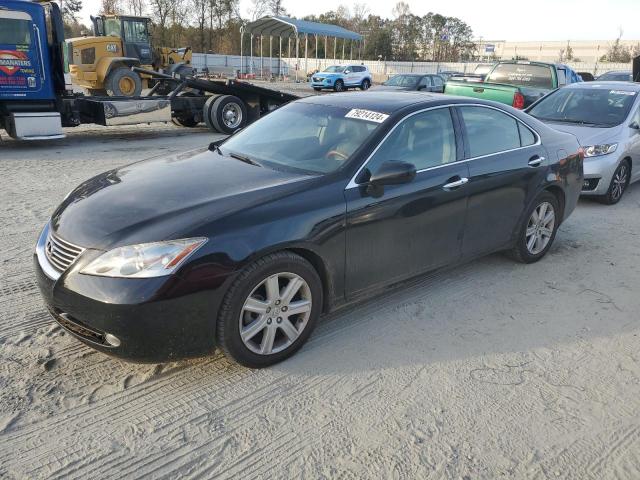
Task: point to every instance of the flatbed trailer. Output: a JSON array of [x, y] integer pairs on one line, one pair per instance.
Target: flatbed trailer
[[36, 103]]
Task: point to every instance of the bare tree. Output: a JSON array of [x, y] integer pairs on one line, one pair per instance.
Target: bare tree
[[136, 7], [108, 7], [162, 11]]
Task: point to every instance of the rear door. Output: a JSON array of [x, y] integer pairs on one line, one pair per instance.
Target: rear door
[[24, 56], [506, 165]]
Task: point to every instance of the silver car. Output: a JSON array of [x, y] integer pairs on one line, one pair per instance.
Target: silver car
[[605, 118]]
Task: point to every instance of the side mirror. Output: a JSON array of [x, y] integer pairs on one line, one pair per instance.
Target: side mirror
[[393, 173], [635, 125], [347, 71]]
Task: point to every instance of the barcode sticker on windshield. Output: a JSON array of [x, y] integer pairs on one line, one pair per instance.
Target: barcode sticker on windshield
[[368, 115], [622, 92]]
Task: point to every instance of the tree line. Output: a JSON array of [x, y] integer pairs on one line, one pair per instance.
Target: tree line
[[214, 26]]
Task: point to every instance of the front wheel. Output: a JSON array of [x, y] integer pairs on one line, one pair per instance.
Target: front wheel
[[338, 86], [618, 185], [123, 82], [538, 230], [270, 310], [317, 89]]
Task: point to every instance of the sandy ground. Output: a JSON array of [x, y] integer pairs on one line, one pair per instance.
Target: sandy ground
[[489, 370]]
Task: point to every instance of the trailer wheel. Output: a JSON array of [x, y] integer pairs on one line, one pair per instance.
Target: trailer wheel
[[227, 114], [122, 82]]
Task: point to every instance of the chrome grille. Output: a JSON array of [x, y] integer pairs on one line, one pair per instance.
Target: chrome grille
[[60, 253]]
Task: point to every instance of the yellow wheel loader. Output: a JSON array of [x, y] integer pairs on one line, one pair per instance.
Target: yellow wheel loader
[[101, 64]]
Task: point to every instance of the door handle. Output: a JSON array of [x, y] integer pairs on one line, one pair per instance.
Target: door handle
[[535, 161], [455, 184]]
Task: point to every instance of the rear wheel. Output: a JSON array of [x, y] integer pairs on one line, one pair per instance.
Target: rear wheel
[[122, 82], [366, 83], [270, 310], [538, 230], [225, 114], [618, 185], [338, 86]]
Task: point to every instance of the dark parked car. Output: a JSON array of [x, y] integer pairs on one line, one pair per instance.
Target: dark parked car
[[324, 201], [616, 76], [446, 75], [413, 81]]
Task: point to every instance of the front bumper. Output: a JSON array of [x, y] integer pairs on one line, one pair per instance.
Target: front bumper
[[153, 320], [598, 172]]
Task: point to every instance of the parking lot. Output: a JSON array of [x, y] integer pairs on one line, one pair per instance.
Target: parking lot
[[492, 369]]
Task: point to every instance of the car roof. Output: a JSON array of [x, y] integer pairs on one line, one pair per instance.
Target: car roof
[[607, 85], [389, 101], [412, 74]]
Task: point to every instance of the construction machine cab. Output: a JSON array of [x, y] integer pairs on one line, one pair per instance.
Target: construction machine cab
[[132, 31]]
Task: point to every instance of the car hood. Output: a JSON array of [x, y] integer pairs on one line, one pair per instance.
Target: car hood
[[588, 135], [164, 198], [325, 75]]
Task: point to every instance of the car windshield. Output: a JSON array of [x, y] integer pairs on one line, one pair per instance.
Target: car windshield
[[402, 81], [597, 107], [303, 137], [523, 75], [334, 69]]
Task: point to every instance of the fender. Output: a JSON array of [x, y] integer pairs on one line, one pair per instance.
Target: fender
[[106, 64]]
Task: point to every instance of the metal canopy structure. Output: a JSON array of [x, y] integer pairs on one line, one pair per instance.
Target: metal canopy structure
[[293, 29]]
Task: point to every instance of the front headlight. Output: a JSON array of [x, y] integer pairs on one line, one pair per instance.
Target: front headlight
[[597, 150], [144, 260]]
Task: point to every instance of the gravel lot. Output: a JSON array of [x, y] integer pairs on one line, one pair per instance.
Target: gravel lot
[[489, 370]]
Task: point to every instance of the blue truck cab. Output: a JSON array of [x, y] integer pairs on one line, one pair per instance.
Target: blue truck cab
[[31, 69]]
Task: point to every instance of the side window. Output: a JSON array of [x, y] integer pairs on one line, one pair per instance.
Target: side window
[[135, 31], [426, 139], [562, 76], [437, 81], [425, 82], [489, 131], [527, 137]]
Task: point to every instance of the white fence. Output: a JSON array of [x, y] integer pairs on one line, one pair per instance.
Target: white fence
[[266, 67]]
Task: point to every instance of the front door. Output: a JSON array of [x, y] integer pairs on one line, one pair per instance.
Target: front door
[[24, 55], [506, 165], [413, 227]]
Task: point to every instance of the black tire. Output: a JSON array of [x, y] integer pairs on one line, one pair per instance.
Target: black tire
[[113, 83], [520, 251], [215, 109], [228, 324], [616, 190], [187, 120], [317, 89], [207, 113], [366, 83], [338, 86]]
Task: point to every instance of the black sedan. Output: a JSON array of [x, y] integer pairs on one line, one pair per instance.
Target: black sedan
[[323, 202], [413, 82]]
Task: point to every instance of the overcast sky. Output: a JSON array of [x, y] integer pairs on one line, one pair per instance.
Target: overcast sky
[[499, 19]]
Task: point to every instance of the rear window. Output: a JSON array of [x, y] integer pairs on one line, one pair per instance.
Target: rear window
[[523, 75], [15, 28]]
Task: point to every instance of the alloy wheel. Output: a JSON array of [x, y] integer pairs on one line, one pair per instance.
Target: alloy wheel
[[619, 182], [540, 228], [231, 115], [275, 313]]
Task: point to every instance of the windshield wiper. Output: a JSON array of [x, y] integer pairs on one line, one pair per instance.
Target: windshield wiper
[[244, 159]]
